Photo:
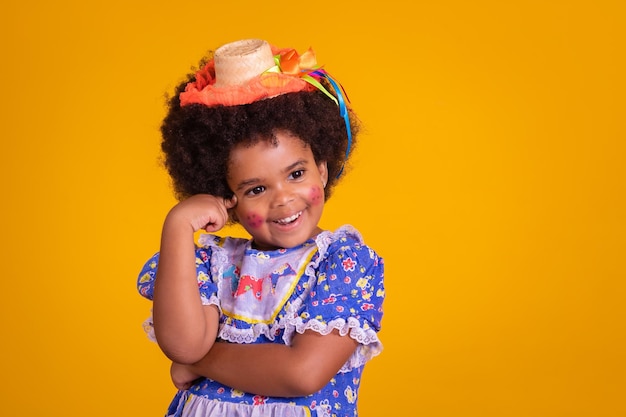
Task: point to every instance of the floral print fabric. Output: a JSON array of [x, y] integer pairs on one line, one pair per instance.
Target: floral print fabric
[[331, 282]]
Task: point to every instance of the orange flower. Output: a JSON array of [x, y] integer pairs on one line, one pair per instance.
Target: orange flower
[[295, 64]]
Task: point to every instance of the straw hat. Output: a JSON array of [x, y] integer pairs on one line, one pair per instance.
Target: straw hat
[[240, 61], [249, 70]]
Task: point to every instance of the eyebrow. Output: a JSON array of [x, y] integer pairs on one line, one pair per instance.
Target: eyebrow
[[250, 181]]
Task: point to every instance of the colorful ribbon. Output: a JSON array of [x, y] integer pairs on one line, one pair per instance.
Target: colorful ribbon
[[305, 67], [343, 108]]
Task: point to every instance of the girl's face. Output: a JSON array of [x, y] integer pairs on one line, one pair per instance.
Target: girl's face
[[279, 190]]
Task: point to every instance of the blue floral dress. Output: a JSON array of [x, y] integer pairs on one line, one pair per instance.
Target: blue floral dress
[[333, 281]]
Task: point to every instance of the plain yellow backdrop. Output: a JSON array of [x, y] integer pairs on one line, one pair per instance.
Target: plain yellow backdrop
[[490, 176]]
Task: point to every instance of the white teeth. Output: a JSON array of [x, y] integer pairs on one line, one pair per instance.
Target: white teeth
[[289, 219]]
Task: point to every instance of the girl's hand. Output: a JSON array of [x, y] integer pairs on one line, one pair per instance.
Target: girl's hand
[[202, 211], [182, 376]]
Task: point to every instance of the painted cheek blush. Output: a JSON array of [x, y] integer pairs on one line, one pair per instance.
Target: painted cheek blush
[[316, 195], [254, 220]]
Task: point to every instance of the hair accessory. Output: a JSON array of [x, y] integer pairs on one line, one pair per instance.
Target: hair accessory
[[243, 72], [343, 109], [305, 66], [246, 71]]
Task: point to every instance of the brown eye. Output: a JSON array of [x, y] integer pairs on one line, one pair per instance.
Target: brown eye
[[256, 190], [297, 174]]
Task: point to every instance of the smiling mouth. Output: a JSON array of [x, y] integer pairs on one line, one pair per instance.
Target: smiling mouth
[[289, 219]]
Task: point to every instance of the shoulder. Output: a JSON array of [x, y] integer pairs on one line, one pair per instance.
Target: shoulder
[[349, 281], [346, 244], [348, 265]]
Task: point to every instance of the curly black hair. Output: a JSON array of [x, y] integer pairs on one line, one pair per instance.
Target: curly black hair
[[197, 140]]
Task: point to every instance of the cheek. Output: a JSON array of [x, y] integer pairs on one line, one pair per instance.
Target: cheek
[[253, 220], [316, 195]]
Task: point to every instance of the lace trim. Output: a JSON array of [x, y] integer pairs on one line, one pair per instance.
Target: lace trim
[[369, 343], [211, 301], [237, 335], [148, 327], [197, 406]]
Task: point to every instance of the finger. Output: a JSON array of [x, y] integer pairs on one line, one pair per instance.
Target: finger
[[213, 227]]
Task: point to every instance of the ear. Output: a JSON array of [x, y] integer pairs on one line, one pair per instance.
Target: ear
[[230, 204], [322, 167]]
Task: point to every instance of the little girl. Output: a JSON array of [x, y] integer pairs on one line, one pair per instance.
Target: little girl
[[280, 324]]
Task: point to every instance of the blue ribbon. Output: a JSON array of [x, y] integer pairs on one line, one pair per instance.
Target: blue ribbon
[[343, 110]]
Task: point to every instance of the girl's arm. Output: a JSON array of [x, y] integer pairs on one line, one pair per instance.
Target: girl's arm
[[272, 369], [185, 329]]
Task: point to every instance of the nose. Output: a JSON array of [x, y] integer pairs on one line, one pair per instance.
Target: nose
[[282, 196]]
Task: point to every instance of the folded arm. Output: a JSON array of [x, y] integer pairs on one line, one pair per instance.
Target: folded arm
[[273, 369]]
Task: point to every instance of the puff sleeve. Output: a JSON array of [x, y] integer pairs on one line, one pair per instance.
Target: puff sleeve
[[348, 296], [206, 286]]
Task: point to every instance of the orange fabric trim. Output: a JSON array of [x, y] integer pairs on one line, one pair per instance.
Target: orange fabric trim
[[266, 85]]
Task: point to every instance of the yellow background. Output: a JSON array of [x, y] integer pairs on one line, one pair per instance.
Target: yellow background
[[490, 176]]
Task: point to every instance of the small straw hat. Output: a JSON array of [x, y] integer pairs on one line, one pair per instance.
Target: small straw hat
[[238, 62], [249, 70]]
